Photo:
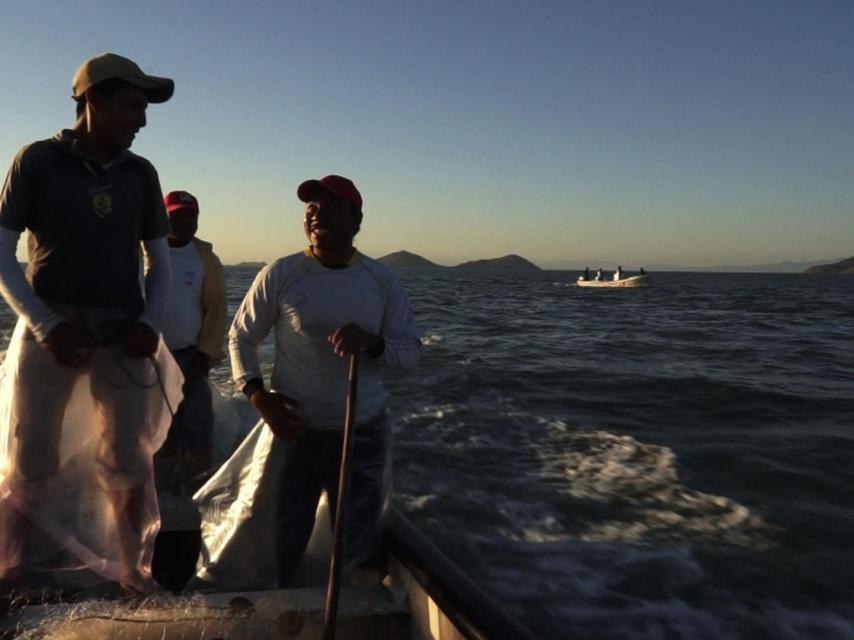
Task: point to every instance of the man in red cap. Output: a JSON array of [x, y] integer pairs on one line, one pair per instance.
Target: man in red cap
[[194, 330], [88, 203], [325, 303]]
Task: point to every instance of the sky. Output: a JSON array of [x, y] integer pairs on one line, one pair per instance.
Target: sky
[[633, 132]]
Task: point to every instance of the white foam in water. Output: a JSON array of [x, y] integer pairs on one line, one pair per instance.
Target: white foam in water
[[416, 503], [675, 618], [613, 558], [637, 484], [431, 339], [434, 412], [638, 593], [641, 479]]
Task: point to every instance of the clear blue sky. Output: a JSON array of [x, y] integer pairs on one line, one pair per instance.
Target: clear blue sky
[[636, 132]]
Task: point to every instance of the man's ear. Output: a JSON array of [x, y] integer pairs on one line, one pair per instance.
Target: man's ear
[[94, 99], [358, 218]]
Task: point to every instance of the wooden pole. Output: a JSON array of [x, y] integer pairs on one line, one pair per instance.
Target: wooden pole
[[334, 585]]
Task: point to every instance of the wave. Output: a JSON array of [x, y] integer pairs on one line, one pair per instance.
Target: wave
[[641, 485]]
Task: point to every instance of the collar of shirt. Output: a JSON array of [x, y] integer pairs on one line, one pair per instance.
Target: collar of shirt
[[353, 259], [67, 139]]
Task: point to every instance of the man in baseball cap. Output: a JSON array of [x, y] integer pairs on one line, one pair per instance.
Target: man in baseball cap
[[338, 185], [88, 203], [112, 94], [109, 66], [333, 216], [194, 330], [325, 304]]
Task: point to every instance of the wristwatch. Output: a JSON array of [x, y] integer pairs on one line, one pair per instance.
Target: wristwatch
[[255, 384]]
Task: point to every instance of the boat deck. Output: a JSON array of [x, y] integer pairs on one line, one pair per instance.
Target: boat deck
[[424, 596], [364, 612]]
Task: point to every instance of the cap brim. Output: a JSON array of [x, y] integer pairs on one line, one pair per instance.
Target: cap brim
[[309, 188], [181, 207], [157, 89]]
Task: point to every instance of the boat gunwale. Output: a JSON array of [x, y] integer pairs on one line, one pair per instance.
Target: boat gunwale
[[475, 615]]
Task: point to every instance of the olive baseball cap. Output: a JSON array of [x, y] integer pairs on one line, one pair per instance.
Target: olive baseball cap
[[109, 65]]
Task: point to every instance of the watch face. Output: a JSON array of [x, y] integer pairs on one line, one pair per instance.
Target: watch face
[[252, 386]]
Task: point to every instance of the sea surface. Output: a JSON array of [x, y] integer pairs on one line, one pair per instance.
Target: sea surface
[[659, 463]]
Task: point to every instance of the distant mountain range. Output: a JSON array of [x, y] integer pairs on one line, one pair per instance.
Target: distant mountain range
[[407, 260], [843, 266], [786, 266]]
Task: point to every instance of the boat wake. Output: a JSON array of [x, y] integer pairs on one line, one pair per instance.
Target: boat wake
[[640, 483]]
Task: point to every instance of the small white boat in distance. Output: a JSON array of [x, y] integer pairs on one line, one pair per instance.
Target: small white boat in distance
[[630, 282]]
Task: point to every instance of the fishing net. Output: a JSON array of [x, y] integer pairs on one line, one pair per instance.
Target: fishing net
[[95, 518]]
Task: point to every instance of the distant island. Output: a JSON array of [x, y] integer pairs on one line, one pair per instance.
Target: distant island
[[505, 262], [255, 265], [843, 266], [408, 260]]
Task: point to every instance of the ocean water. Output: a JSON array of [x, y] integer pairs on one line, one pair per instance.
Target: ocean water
[[668, 462]]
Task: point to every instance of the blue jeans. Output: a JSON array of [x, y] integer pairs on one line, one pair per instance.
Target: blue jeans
[[192, 427], [312, 465], [183, 462]]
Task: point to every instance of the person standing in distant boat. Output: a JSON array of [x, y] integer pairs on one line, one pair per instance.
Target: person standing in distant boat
[[642, 272], [618, 274], [88, 203], [586, 273], [599, 275], [194, 330], [325, 303]]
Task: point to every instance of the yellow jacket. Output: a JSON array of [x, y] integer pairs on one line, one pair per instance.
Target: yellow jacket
[[214, 304]]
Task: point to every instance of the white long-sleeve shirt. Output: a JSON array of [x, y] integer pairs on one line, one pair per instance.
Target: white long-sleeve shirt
[[306, 302]]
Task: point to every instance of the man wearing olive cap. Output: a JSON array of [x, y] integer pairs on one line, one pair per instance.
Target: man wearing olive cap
[[87, 203], [325, 303]]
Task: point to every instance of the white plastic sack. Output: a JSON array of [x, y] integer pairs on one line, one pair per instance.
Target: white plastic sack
[[238, 509]]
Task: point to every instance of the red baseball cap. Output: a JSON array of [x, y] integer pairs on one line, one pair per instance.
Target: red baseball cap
[[175, 200], [337, 185]]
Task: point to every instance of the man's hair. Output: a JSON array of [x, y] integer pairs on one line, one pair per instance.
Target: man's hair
[[105, 89]]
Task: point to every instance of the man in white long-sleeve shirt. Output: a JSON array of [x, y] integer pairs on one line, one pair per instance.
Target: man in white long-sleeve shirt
[[325, 303], [88, 203]]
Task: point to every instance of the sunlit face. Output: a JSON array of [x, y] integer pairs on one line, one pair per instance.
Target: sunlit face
[[183, 224], [119, 117], [329, 223]]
